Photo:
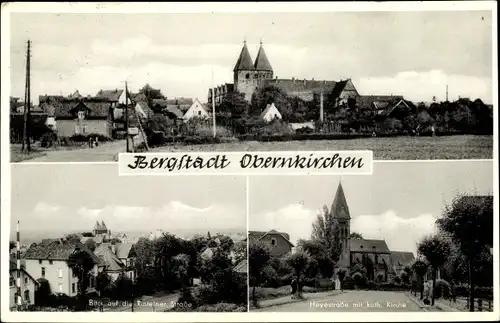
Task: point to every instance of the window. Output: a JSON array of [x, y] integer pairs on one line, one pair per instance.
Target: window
[[59, 273], [77, 129], [26, 281], [60, 288], [199, 113], [12, 280], [247, 76], [73, 289], [43, 271], [73, 273], [15, 298], [376, 259], [50, 262], [39, 261], [27, 296], [81, 114], [273, 242], [84, 128]]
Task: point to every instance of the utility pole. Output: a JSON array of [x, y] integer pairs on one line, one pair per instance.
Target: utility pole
[[126, 115], [18, 261], [27, 100]]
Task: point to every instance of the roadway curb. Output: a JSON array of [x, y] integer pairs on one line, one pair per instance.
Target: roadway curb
[[416, 301]]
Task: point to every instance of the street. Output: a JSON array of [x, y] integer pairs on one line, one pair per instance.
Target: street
[[351, 301]]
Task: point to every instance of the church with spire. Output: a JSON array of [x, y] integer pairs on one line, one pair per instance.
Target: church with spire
[[373, 254], [249, 75]]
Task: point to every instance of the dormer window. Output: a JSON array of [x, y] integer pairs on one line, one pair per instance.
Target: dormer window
[[81, 114]]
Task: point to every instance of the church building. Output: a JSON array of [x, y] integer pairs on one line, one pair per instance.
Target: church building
[[372, 254]]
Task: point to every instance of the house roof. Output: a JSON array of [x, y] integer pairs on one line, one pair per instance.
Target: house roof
[[258, 235], [13, 267], [294, 85], [108, 258], [110, 95], [241, 267], [174, 110], [367, 101], [266, 110], [367, 245], [57, 250], [145, 107], [244, 61], [97, 107], [402, 258], [261, 62], [103, 225], [180, 101], [123, 250], [339, 207]]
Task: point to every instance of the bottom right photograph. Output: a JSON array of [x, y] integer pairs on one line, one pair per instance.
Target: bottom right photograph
[[413, 236]]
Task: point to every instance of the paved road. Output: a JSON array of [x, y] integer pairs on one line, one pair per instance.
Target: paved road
[[147, 304], [352, 301], [105, 152]]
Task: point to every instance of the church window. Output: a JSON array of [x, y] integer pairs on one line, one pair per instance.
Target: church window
[[376, 259], [247, 76]]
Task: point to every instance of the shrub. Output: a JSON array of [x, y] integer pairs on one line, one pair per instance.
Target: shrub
[[443, 289], [86, 137], [397, 280], [207, 131], [205, 294], [47, 139], [380, 277], [221, 307]]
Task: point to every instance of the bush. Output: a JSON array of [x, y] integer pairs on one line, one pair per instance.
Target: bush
[[397, 280], [47, 139], [221, 307], [85, 138], [205, 294], [443, 289]]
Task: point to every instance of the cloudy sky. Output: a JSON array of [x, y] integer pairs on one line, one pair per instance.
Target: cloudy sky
[[72, 197], [399, 202], [415, 54]]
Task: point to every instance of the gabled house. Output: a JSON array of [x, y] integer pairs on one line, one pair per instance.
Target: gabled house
[[270, 113], [118, 259], [113, 96], [197, 110], [50, 260], [28, 286], [278, 242]]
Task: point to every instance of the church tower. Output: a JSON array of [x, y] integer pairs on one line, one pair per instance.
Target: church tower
[[340, 211], [245, 76], [263, 68]]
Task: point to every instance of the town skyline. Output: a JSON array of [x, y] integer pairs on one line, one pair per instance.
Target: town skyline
[[180, 63], [397, 212]]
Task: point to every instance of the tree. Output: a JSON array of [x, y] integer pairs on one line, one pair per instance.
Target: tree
[[271, 94], [325, 230], [356, 236], [144, 254], [469, 222], [240, 251], [258, 257], [91, 244], [407, 274], [73, 237], [319, 257], [420, 268], [181, 264], [436, 250], [12, 245], [81, 262], [298, 262], [226, 243], [103, 283], [151, 94]]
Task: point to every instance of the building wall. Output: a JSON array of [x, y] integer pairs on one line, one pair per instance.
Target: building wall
[[67, 128], [246, 82], [27, 284], [280, 247], [272, 114], [196, 110], [58, 283], [345, 231]]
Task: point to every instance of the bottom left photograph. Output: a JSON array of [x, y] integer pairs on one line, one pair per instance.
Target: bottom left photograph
[[85, 239]]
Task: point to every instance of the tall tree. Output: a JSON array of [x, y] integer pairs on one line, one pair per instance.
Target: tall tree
[[326, 231], [436, 250], [320, 256], [469, 221], [420, 268], [81, 263], [298, 261], [258, 258]]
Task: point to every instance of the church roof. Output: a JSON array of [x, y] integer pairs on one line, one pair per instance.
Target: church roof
[[371, 246], [244, 61], [261, 62], [339, 207], [103, 226]]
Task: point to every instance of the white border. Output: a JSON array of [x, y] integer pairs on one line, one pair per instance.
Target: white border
[[230, 8]]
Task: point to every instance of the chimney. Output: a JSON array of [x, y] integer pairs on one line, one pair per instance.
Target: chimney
[[321, 118]]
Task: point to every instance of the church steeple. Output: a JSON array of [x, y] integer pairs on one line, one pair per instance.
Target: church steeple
[[244, 61], [261, 62], [339, 208]]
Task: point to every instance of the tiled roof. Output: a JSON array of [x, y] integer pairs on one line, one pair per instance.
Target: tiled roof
[[244, 60], [108, 258], [294, 85], [174, 110], [123, 250], [339, 208], [367, 101], [261, 62], [145, 107], [241, 267], [13, 267], [366, 245], [180, 101], [257, 235], [96, 107], [57, 250], [402, 258], [110, 95]]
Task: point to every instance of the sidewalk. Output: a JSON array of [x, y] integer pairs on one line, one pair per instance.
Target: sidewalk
[[438, 305], [288, 300]]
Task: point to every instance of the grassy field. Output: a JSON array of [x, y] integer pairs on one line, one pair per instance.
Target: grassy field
[[405, 148], [17, 155]]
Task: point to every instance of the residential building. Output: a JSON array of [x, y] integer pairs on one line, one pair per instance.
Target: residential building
[[270, 113], [400, 260], [197, 110], [278, 242], [28, 286], [118, 259], [50, 260]]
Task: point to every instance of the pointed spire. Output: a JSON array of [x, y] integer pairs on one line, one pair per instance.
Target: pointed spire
[[339, 207], [244, 61], [261, 62]]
